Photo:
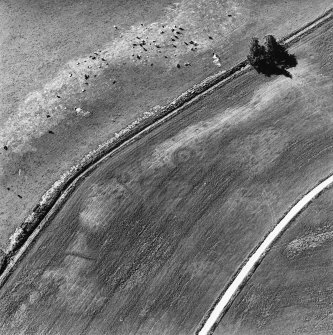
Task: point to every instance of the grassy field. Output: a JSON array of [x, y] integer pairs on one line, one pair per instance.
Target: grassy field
[[149, 239], [291, 292], [45, 56]]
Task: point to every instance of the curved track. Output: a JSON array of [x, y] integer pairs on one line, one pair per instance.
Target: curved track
[[224, 302], [291, 291]]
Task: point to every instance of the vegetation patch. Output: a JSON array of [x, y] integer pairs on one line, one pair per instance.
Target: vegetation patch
[[271, 58]]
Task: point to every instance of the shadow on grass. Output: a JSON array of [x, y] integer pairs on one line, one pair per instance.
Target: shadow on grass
[[279, 66], [271, 59]]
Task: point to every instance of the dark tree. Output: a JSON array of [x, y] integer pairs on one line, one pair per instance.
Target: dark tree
[[257, 54], [273, 58], [278, 54], [274, 51]]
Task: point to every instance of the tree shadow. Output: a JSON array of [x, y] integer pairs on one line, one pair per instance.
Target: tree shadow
[[273, 59], [271, 69]]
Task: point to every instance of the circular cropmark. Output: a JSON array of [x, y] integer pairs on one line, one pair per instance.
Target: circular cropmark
[[122, 178], [183, 155]]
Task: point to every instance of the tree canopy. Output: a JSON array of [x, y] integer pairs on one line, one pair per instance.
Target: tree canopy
[[271, 58]]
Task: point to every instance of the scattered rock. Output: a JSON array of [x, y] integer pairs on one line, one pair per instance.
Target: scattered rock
[[81, 112], [216, 59]]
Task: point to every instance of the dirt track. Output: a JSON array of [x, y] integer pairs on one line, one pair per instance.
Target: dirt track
[[177, 212], [252, 263], [291, 291]]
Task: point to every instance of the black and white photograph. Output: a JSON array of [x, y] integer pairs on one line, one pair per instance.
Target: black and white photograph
[[166, 167]]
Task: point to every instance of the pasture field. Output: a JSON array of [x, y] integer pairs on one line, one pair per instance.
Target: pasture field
[[51, 114], [291, 292], [149, 239]]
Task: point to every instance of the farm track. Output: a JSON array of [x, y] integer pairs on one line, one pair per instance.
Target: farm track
[[55, 197], [223, 303]]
